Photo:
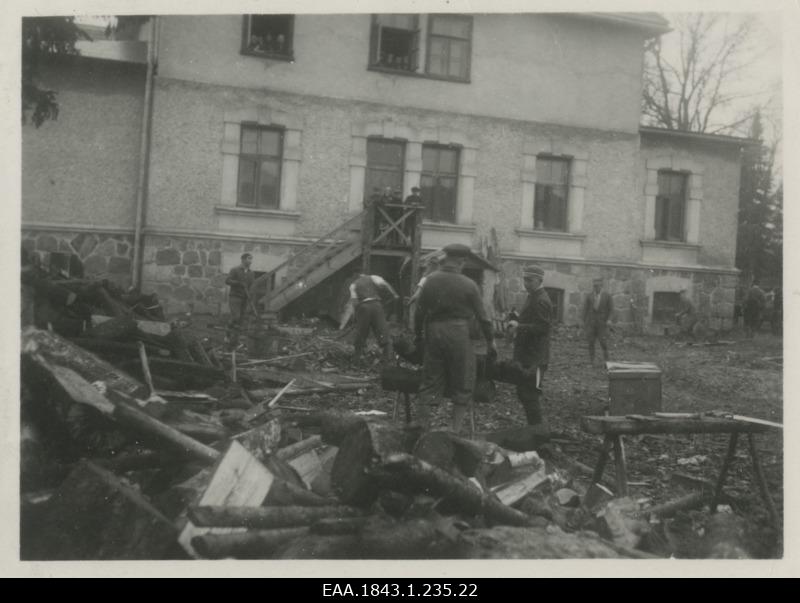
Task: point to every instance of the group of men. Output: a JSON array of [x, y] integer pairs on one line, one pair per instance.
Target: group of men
[[445, 306]]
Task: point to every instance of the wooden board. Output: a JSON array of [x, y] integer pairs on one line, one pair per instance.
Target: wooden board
[[239, 480], [516, 491], [618, 425]]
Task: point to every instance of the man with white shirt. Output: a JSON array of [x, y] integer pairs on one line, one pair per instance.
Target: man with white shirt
[[365, 297]]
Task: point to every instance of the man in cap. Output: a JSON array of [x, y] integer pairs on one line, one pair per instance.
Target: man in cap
[[532, 341], [240, 280], [448, 301], [597, 311]]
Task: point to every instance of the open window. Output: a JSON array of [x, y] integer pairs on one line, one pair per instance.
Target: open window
[[395, 42], [269, 36]]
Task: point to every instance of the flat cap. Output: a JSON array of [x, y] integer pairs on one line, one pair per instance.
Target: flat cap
[[457, 250], [533, 270]]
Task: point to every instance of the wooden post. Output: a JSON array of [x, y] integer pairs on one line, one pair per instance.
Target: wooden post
[[761, 481], [367, 234], [619, 461], [148, 378], [724, 471]]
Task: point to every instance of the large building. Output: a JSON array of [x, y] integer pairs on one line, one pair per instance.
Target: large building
[[268, 131]]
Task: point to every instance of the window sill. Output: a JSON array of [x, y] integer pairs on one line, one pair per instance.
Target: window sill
[[263, 213], [273, 56], [550, 234], [424, 76], [669, 244]]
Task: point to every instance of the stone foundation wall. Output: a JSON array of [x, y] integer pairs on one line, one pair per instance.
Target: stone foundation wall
[[188, 273], [632, 290], [103, 255]]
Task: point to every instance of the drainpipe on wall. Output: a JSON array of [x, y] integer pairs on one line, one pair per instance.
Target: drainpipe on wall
[[144, 156]]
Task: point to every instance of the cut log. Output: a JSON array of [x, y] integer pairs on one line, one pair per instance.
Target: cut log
[[365, 447], [294, 450], [238, 480], [118, 328], [410, 539], [257, 544], [407, 473], [95, 516], [618, 522], [513, 493], [266, 518], [690, 501], [64, 353], [331, 526]]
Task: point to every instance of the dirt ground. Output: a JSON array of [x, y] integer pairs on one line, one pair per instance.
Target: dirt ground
[[740, 376]]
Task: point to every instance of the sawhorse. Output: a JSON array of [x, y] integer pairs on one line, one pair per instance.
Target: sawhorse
[[614, 427]]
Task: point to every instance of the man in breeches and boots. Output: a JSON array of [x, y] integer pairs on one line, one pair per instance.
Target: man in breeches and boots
[[365, 296], [597, 312], [532, 342], [447, 303], [240, 280]]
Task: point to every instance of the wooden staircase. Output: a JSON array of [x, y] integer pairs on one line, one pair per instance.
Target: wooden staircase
[[374, 231], [314, 263]]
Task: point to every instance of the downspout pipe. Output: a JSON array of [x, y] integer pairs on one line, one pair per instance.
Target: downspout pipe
[[144, 157]]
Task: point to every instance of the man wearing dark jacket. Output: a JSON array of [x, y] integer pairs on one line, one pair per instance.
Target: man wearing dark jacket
[[448, 301], [532, 342], [597, 311], [240, 280]]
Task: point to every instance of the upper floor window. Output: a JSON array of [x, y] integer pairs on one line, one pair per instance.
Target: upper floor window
[[552, 194], [260, 158], [398, 43], [269, 36], [449, 40], [671, 205], [439, 182]]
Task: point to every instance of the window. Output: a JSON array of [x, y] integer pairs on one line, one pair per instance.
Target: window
[[670, 205], [439, 182], [385, 161], [269, 36], [449, 39], [395, 44], [552, 191], [260, 157], [557, 299], [666, 304]]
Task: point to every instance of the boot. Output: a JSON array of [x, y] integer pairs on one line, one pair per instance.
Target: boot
[[533, 411]]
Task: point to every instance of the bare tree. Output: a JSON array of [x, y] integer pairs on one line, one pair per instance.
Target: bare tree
[[686, 89]]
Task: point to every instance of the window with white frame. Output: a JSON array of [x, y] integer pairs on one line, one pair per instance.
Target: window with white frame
[[551, 195], [260, 161], [671, 205], [439, 182], [439, 46], [268, 36]]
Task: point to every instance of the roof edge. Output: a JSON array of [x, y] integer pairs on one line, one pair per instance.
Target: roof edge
[[652, 23], [740, 141]]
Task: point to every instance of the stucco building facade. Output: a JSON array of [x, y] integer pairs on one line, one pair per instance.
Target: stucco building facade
[[268, 131]]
